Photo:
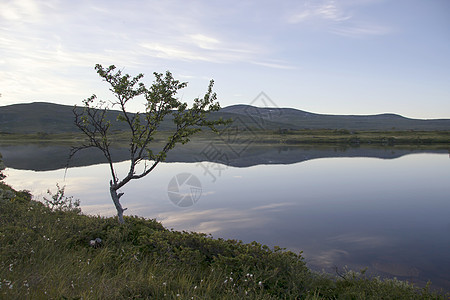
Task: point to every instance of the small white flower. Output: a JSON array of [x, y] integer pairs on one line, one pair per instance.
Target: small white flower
[[260, 283]]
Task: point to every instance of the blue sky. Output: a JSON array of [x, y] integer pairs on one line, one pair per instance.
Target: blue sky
[[335, 57]]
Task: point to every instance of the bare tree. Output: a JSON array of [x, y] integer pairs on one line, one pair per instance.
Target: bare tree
[[161, 101]]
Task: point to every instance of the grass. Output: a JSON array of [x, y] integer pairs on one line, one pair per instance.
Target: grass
[[46, 254], [302, 136], [347, 137]]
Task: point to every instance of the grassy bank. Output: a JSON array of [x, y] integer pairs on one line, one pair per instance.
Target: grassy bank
[[358, 137], [304, 136], [46, 253]]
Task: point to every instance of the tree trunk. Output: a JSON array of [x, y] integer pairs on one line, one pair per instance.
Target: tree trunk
[[116, 199]]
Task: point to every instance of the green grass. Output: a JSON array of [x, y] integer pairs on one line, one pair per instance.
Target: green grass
[[45, 254], [302, 136], [344, 136]]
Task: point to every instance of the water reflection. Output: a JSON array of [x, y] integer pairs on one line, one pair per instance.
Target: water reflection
[[390, 215], [49, 156]]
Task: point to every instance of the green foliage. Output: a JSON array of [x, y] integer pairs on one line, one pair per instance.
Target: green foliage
[[58, 201], [161, 103], [2, 167], [46, 255]]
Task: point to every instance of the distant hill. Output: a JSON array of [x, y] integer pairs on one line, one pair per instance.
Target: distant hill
[[298, 119], [56, 118], [36, 117]]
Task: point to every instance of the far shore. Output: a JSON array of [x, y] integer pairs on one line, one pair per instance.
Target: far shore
[[284, 136]]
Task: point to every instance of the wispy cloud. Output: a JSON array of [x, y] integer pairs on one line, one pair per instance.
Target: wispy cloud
[[337, 18], [205, 42], [327, 11], [207, 50], [161, 50], [23, 10], [360, 29], [274, 65], [42, 42]]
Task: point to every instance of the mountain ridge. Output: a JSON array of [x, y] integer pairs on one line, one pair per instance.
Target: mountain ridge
[[50, 117]]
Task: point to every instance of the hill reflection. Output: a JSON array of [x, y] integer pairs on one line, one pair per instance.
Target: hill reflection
[[48, 156]]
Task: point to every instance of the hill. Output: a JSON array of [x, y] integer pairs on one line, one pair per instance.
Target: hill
[[298, 119], [36, 117], [55, 118]]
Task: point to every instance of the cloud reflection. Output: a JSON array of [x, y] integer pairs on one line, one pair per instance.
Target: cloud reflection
[[396, 269], [327, 258], [211, 220], [274, 206], [362, 241]]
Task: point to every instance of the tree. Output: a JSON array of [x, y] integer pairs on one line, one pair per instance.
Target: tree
[[161, 101]]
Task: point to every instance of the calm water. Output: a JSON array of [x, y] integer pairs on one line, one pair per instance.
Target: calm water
[[391, 215]]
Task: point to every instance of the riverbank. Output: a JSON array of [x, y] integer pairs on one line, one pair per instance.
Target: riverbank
[[47, 253], [236, 135]]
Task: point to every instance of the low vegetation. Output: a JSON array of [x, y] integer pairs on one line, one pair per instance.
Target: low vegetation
[[281, 136], [49, 250], [344, 136]]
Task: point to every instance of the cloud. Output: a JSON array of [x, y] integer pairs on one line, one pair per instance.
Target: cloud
[[360, 29], [23, 11], [161, 50], [336, 18], [46, 47], [274, 65], [203, 48], [327, 11], [205, 42]]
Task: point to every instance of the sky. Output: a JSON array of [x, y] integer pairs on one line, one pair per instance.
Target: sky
[[334, 57]]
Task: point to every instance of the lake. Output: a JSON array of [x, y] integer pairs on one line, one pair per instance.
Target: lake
[[383, 208]]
